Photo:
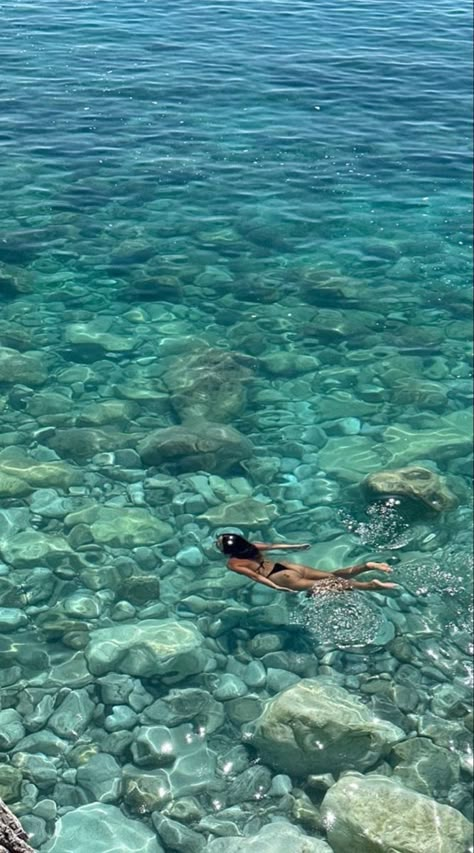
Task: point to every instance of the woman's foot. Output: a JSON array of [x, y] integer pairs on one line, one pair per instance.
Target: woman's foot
[[385, 584], [378, 567]]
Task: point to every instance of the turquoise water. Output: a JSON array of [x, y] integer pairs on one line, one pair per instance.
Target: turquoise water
[[256, 216]]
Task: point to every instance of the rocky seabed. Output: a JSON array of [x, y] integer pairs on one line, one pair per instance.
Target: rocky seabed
[[153, 701]]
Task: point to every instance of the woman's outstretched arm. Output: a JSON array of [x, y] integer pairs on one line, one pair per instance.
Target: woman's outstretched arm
[[281, 546]]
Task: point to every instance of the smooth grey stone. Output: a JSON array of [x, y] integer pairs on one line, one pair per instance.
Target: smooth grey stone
[[153, 746], [106, 827], [11, 618], [11, 729], [279, 836], [49, 504], [70, 795], [73, 715], [190, 557], [252, 784], [115, 688], [281, 785], [234, 761], [364, 812], [425, 767], [122, 717], [35, 827], [230, 687], [47, 809], [182, 705], [165, 648], [262, 644], [450, 701], [244, 710], [177, 836], [42, 770], [314, 726], [43, 741], [280, 679], [254, 674], [10, 783], [101, 777], [82, 605], [406, 697]]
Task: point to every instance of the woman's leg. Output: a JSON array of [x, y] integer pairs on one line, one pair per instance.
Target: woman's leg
[[373, 585], [352, 571], [306, 572]]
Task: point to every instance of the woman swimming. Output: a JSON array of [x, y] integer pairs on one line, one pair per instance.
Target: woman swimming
[[247, 559]]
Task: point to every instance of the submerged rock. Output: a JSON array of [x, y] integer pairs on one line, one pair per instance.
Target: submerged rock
[[86, 335], [451, 438], [128, 527], [419, 484], [24, 368], [375, 813], [164, 648], [425, 767], [81, 443], [208, 385], [245, 512], [203, 446], [317, 727], [280, 836], [103, 829], [16, 464]]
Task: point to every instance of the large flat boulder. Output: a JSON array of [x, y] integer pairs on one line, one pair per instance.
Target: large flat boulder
[[155, 647], [374, 813], [201, 446], [103, 829], [315, 726], [279, 836]]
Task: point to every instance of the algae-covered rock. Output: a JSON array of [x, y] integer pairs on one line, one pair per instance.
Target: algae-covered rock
[[203, 446], [419, 484], [27, 368], [172, 650], [36, 548], [81, 443], [13, 487], [10, 783], [17, 464], [317, 727], [102, 828], [376, 814], [209, 384], [425, 767]]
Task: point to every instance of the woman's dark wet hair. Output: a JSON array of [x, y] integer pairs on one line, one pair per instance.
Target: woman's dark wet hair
[[237, 546]]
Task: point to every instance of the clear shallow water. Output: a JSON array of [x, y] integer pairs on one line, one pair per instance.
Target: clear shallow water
[[256, 178]]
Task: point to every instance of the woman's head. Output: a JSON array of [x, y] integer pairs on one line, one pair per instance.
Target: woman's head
[[236, 546]]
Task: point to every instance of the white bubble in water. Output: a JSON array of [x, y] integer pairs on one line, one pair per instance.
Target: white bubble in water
[[344, 619]]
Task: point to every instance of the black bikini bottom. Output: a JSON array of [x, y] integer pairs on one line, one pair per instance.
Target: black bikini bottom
[[278, 567]]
